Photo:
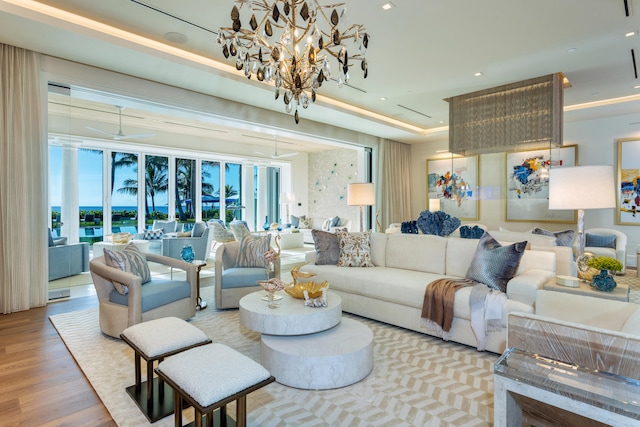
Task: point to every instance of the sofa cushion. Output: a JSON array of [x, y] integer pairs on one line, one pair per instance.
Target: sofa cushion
[[242, 277], [563, 238], [159, 293], [600, 241], [419, 252], [198, 229], [379, 249], [183, 233], [60, 242], [327, 247], [516, 236], [355, 249], [153, 234], [252, 250], [494, 264], [50, 237], [131, 260], [459, 254]]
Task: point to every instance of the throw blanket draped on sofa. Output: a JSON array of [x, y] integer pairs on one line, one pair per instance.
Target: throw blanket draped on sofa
[[437, 306], [486, 306]]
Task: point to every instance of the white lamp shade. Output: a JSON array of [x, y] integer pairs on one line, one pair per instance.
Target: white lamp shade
[[434, 205], [582, 187], [287, 198], [361, 194]]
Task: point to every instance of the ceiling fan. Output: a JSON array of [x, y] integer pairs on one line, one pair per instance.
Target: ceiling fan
[[121, 135], [275, 155]]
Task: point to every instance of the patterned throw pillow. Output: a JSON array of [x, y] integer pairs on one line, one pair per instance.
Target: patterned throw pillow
[[165, 226], [327, 247], [494, 264], [153, 234], [355, 249], [131, 260], [600, 241], [305, 222], [251, 251], [563, 238]]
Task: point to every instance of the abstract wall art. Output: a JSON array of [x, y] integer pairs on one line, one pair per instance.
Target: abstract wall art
[[628, 194], [454, 181]]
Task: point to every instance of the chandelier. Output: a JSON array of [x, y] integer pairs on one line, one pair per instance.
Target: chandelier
[[291, 45]]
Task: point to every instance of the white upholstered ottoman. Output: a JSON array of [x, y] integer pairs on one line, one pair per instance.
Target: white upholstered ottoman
[[153, 341], [210, 377]]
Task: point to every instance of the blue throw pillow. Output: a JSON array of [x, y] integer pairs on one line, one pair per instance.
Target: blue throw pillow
[[198, 229], [494, 264], [153, 234], [295, 221], [335, 221], [600, 241]]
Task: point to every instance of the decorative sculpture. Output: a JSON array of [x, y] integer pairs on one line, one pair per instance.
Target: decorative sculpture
[[315, 302], [438, 223]]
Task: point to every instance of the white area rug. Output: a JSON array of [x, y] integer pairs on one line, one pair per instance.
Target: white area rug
[[417, 380]]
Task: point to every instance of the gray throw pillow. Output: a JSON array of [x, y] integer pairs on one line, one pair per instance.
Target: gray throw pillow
[[600, 241], [327, 247], [131, 260], [563, 238], [494, 264]]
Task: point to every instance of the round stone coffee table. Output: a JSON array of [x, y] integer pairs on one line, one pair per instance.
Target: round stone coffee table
[[291, 318], [309, 348]]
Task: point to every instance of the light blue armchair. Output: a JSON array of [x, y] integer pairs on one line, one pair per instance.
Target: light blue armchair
[[172, 246]]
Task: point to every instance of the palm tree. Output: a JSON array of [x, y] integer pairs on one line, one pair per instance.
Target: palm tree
[[156, 181], [121, 160]]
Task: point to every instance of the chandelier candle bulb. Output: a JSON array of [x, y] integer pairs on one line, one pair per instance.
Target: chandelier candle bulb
[[298, 63]]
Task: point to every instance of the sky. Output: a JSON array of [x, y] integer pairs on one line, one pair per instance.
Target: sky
[[90, 180]]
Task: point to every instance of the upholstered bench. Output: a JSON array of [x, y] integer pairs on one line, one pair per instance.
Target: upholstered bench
[[153, 341], [210, 377]]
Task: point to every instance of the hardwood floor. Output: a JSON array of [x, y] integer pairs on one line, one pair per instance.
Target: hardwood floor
[[40, 383]]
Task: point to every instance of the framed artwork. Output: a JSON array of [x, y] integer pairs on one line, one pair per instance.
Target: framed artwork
[[454, 181], [628, 194], [527, 197]]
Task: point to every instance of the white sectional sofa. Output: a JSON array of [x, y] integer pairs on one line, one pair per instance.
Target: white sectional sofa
[[393, 290]]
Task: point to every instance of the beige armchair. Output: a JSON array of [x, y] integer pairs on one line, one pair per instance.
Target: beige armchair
[[619, 244], [231, 282], [153, 300]]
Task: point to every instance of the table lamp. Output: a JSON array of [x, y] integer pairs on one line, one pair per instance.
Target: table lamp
[[434, 205], [581, 187], [361, 194]]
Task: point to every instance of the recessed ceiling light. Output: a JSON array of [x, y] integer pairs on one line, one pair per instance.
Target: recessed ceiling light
[[571, 49], [630, 34], [382, 98], [388, 5], [441, 121], [636, 87], [174, 37], [479, 73], [595, 94]]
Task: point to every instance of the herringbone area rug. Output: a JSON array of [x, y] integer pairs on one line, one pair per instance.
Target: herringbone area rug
[[417, 380]]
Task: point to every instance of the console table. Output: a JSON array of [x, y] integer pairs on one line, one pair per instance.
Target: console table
[[619, 293]]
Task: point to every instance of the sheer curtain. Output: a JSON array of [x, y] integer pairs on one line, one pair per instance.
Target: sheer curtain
[[23, 167], [394, 182]]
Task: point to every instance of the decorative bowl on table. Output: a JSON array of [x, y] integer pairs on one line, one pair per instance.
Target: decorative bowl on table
[[313, 289]]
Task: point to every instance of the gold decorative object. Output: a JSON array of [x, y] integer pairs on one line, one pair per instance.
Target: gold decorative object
[[297, 288], [122, 237], [290, 43], [585, 272]]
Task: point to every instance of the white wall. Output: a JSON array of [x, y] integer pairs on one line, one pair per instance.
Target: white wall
[[596, 141]]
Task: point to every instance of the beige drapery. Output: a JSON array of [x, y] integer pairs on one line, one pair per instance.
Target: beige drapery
[[23, 224], [394, 182]]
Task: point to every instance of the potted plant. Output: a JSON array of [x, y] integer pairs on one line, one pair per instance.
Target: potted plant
[[604, 281]]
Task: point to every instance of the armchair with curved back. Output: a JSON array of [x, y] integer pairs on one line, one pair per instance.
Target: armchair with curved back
[[156, 299], [220, 233], [231, 282], [614, 241]]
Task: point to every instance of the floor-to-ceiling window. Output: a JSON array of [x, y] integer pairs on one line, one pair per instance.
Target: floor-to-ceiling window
[[90, 200], [185, 190], [233, 191], [124, 191], [156, 187], [210, 190]]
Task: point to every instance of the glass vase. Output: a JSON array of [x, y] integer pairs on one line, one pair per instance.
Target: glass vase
[[603, 281], [266, 224], [271, 300]]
